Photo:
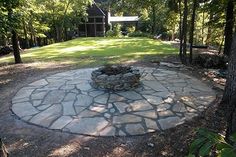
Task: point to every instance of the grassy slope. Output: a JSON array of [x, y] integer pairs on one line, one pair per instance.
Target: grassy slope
[[97, 51]]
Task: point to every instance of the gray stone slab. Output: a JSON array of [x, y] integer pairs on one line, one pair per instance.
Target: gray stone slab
[[24, 109], [153, 99], [46, 117], [140, 105], [147, 114], [151, 125], [68, 108], [84, 86], [169, 122], [127, 118], [39, 95], [89, 126], [83, 100], [116, 98], [130, 95], [121, 106], [102, 99], [61, 122], [54, 97], [39, 83], [70, 97], [135, 129], [155, 85]]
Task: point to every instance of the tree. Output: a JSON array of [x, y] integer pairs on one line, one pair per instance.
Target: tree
[[9, 5], [184, 32], [191, 35], [230, 91], [229, 26]]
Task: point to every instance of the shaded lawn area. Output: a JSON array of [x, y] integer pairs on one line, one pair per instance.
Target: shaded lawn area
[[97, 51]]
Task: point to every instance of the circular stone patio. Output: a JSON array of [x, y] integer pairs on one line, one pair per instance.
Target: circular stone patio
[[66, 102]]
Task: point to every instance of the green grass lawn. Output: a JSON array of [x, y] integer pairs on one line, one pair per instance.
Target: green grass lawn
[[97, 51]]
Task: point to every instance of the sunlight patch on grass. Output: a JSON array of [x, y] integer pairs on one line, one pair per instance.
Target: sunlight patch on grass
[[96, 51]]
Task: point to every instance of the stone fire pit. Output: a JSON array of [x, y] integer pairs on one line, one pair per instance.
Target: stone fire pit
[[115, 77]]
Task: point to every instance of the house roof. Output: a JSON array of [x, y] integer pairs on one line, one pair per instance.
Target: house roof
[[94, 10], [123, 18]]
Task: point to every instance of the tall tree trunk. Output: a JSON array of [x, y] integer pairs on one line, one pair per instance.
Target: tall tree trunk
[[153, 19], [203, 25], [192, 31], [14, 38], [180, 33], [25, 34], [15, 44], [184, 32], [209, 31], [229, 26], [230, 91]]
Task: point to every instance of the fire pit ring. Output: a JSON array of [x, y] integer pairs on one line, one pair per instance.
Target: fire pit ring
[[115, 78]]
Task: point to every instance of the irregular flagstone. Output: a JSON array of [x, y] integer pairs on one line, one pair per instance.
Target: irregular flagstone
[[140, 105], [36, 102], [43, 107], [68, 87], [39, 95], [68, 108], [96, 93], [163, 107], [179, 107], [61, 122], [108, 131], [54, 97], [102, 99], [24, 93], [121, 106], [130, 95], [153, 99], [164, 94], [154, 85], [67, 102], [127, 118], [100, 109], [38, 83], [136, 129], [20, 100], [83, 100], [89, 126], [147, 114], [169, 122], [151, 125], [70, 97], [46, 117], [24, 109], [116, 98], [84, 86], [166, 113]]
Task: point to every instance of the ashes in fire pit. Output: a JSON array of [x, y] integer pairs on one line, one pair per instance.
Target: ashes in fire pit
[[115, 77]]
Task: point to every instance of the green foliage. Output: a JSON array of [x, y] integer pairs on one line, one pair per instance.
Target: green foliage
[[117, 30], [207, 141], [139, 34], [110, 33]]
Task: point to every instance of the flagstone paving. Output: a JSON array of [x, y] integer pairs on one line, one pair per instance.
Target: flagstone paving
[[66, 102]]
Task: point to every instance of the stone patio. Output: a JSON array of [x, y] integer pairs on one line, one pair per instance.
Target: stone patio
[[66, 102]]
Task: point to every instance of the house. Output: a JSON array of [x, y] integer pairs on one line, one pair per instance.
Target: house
[[98, 21]]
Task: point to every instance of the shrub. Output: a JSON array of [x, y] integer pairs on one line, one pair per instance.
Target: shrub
[[207, 140], [139, 34], [110, 33]]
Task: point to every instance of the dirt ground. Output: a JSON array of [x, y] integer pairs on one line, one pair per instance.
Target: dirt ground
[[24, 140]]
